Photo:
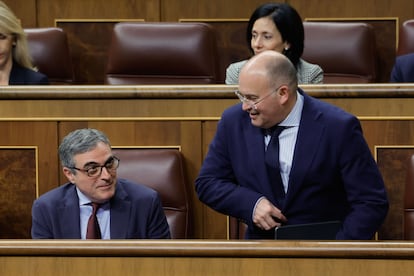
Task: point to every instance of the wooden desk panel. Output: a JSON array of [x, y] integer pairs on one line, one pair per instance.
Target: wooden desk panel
[[183, 266], [184, 102], [205, 258]]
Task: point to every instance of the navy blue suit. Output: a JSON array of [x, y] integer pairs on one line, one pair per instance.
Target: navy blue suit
[[23, 76], [136, 213], [403, 70], [333, 174]]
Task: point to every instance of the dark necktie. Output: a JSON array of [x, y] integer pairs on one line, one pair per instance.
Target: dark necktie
[[93, 231], [273, 166]]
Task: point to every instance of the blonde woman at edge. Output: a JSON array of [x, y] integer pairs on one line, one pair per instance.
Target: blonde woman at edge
[[16, 67]]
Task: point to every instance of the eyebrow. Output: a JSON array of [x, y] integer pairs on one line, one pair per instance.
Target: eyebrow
[[248, 95], [93, 163]]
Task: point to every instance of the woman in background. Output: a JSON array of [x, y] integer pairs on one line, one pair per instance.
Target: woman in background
[[277, 27], [16, 67]]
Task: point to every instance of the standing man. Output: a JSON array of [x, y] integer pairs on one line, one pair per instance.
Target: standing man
[[325, 169], [124, 210]]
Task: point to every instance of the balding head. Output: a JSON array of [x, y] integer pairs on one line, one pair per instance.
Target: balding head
[[274, 66], [267, 88]]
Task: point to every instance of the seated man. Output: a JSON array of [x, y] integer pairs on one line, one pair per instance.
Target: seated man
[[403, 70], [124, 210]]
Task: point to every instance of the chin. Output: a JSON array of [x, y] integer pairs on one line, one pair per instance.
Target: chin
[[106, 197], [107, 192], [256, 124]]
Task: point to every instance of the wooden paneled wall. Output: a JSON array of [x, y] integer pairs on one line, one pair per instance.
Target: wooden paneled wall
[[42, 13], [34, 119], [89, 42]]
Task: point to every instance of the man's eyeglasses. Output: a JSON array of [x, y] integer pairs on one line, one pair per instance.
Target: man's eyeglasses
[[96, 170], [253, 103]]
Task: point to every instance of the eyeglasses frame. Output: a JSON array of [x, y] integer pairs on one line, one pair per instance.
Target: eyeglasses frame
[[103, 166]]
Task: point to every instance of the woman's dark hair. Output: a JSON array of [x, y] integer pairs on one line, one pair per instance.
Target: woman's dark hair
[[287, 21]]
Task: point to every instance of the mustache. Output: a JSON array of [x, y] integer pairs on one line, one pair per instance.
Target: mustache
[[253, 111]]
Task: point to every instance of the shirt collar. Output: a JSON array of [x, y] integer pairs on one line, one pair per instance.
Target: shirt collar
[[293, 118], [83, 199]]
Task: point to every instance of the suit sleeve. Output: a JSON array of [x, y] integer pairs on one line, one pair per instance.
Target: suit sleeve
[[396, 73], [363, 184], [44, 80], [217, 184], [317, 75], [40, 229], [158, 226], [232, 74]]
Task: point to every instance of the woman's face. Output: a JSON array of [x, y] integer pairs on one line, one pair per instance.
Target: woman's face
[[266, 36], [6, 48]]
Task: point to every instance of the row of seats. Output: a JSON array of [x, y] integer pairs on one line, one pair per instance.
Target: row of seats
[[186, 53]]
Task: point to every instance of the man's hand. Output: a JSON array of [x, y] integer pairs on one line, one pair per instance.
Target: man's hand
[[267, 216]]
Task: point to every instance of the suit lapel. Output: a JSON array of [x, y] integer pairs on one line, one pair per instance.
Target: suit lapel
[[120, 213], [69, 215], [256, 149], [307, 144]]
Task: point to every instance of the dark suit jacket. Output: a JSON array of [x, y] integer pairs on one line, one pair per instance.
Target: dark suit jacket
[[403, 70], [333, 175], [136, 213], [23, 76]]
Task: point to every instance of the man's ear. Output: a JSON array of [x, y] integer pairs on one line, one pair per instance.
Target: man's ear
[[284, 93], [69, 175]]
